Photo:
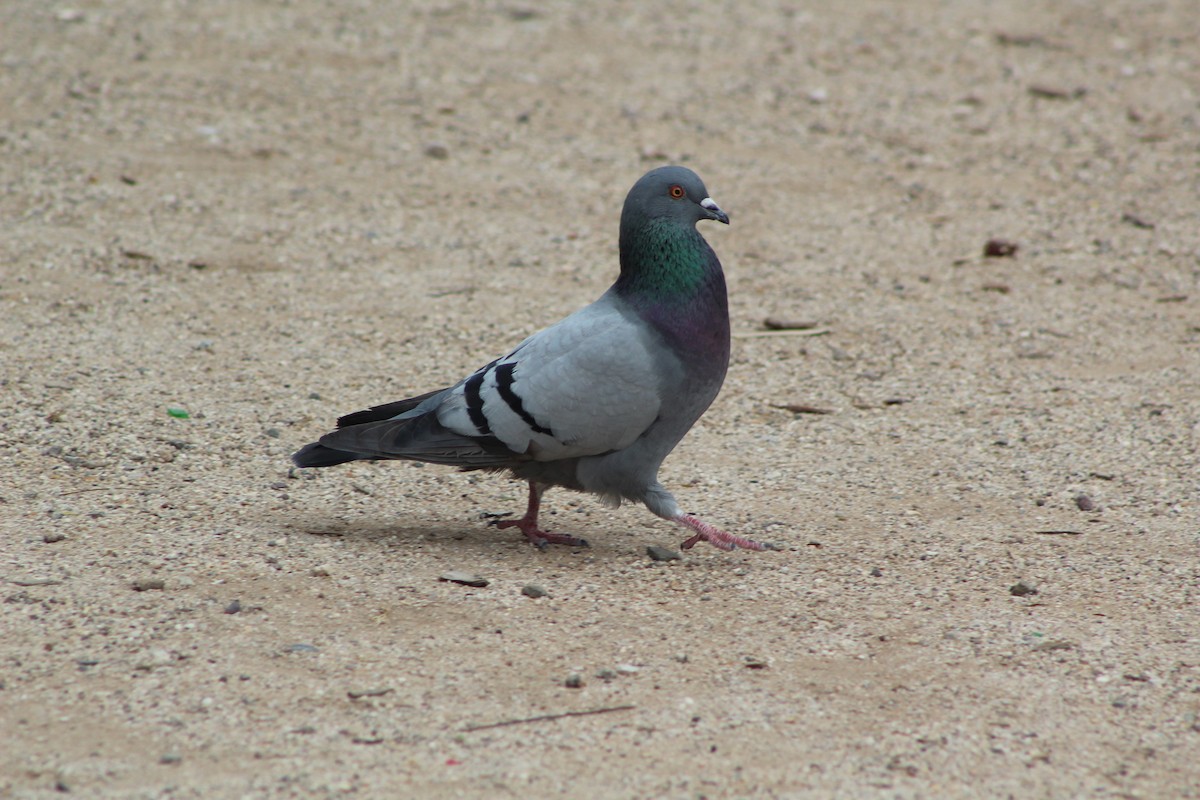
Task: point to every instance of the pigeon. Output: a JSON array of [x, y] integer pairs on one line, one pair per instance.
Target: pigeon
[[595, 402]]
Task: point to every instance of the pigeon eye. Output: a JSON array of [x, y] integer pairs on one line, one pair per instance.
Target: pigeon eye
[[676, 191]]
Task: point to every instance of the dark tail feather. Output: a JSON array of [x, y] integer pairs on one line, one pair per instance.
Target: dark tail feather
[[318, 455], [420, 438], [375, 434], [386, 411]]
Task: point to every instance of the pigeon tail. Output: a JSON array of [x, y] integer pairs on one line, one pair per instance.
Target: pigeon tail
[[385, 411], [318, 455]]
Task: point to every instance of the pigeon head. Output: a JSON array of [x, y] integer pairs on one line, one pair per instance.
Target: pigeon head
[[664, 259], [669, 275], [670, 193]]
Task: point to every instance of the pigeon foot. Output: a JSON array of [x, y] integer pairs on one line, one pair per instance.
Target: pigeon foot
[[715, 536], [538, 537], [528, 524]]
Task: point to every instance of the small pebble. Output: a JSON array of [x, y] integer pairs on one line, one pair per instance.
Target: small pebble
[[657, 553], [574, 681], [157, 657], [782, 324], [1000, 248], [35, 581], [51, 538], [146, 584], [465, 578], [1021, 589], [437, 151], [876, 572], [233, 607], [355, 694], [170, 758], [628, 669], [754, 662], [606, 674], [533, 590], [302, 648], [1047, 92], [1136, 221], [319, 571], [1085, 503]]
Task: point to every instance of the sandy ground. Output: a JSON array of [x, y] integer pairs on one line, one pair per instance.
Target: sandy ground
[[270, 213]]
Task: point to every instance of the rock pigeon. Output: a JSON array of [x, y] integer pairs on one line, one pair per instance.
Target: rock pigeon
[[597, 401]]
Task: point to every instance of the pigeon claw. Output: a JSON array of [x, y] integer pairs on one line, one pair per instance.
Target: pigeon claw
[[538, 537], [715, 536]]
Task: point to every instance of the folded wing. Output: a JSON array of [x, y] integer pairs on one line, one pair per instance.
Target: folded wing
[[591, 384]]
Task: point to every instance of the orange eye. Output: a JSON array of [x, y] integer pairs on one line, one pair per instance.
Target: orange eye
[[676, 191]]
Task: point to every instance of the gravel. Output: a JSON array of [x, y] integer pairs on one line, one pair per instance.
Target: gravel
[[222, 228]]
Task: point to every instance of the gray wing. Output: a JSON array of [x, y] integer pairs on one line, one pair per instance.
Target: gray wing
[[591, 384]]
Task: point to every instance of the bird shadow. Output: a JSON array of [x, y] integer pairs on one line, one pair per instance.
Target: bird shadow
[[475, 536]]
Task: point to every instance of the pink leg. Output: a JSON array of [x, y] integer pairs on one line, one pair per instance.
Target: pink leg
[[528, 524], [715, 536]]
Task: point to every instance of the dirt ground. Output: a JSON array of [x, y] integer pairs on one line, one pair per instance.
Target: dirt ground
[[266, 214]]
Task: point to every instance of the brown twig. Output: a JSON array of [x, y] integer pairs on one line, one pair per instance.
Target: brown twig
[[801, 408], [771, 334], [547, 718]]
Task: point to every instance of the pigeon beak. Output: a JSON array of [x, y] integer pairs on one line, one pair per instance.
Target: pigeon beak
[[714, 210]]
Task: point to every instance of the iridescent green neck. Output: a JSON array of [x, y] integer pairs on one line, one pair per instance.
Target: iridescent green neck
[[661, 259]]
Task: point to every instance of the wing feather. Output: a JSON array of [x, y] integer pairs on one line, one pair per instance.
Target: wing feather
[[590, 384]]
